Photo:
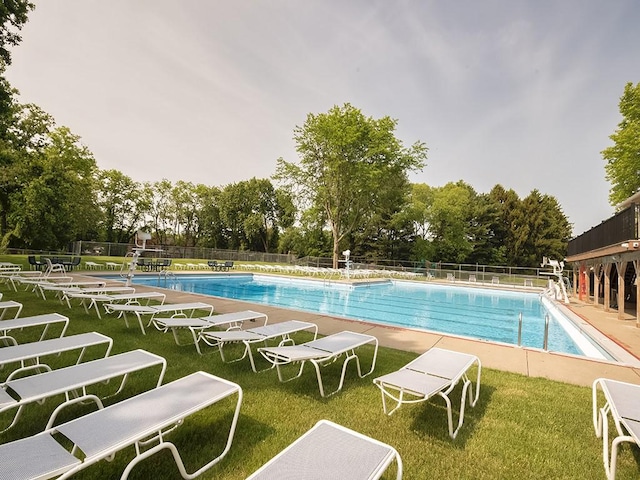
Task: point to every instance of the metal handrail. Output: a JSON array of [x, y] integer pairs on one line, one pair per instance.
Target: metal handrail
[[545, 338]]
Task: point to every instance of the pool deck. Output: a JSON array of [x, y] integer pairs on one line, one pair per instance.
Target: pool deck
[[526, 361]]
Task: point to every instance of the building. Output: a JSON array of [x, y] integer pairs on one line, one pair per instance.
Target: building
[[606, 259]]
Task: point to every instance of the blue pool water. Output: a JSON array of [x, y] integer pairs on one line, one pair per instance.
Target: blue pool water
[[471, 312]]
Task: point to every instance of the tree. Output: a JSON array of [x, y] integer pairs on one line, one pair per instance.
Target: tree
[[58, 203], [159, 207], [546, 229], [185, 206], [508, 223], [24, 133], [119, 199], [623, 158], [208, 224], [449, 217], [346, 159], [13, 15], [254, 213]]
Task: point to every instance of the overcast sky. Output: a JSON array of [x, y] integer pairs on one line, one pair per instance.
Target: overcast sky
[[519, 93]]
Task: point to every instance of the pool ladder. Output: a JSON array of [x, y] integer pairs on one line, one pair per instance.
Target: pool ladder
[[545, 338]]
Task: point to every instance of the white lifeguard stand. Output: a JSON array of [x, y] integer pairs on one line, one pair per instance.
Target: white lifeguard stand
[[347, 263], [556, 287], [140, 240]]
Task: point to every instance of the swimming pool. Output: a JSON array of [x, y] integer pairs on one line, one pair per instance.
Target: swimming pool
[[486, 314]]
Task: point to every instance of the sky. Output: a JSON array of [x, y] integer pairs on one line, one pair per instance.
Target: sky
[[521, 93]]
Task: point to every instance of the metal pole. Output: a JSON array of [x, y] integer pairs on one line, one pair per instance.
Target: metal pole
[[520, 329], [545, 341]]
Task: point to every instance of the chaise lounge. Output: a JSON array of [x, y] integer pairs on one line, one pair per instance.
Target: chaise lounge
[[72, 382], [622, 402], [329, 450], [435, 372], [229, 321], [282, 331], [138, 421], [322, 352]]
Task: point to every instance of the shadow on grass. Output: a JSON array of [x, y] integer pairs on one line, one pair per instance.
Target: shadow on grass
[[430, 417]]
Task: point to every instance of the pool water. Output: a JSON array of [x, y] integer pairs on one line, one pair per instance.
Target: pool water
[[485, 314]]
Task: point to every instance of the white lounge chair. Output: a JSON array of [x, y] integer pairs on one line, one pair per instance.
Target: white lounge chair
[[73, 382], [60, 287], [329, 450], [13, 278], [435, 372], [282, 331], [451, 277], [622, 401], [176, 309], [45, 320], [29, 355], [104, 290], [8, 305], [106, 297], [322, 352], [233, 320], [141, 420]]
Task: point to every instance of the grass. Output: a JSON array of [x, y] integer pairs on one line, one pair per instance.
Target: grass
[[521, 428]]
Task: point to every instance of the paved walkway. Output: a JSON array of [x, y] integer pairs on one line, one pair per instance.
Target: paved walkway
[[623, 335]]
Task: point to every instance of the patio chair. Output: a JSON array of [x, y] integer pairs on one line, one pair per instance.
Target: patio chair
[[72, 382], [282, 331], [622, 401], [138, 421], [45, 320], [35, 264], [213, 264], [29, 355], [435, 372], [176, 309], [229, 321], [322, 352], [451, 277], [329, 450]]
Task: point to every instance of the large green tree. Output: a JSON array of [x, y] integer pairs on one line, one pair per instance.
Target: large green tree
[[546, 230], [449, 217], [58, 203], [346, 159], [623, 157], [120, 201]]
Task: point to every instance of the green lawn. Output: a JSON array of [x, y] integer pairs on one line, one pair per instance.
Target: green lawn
[[521, 427]]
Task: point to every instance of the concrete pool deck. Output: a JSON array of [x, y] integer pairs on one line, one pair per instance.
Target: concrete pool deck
[[525, 361]]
